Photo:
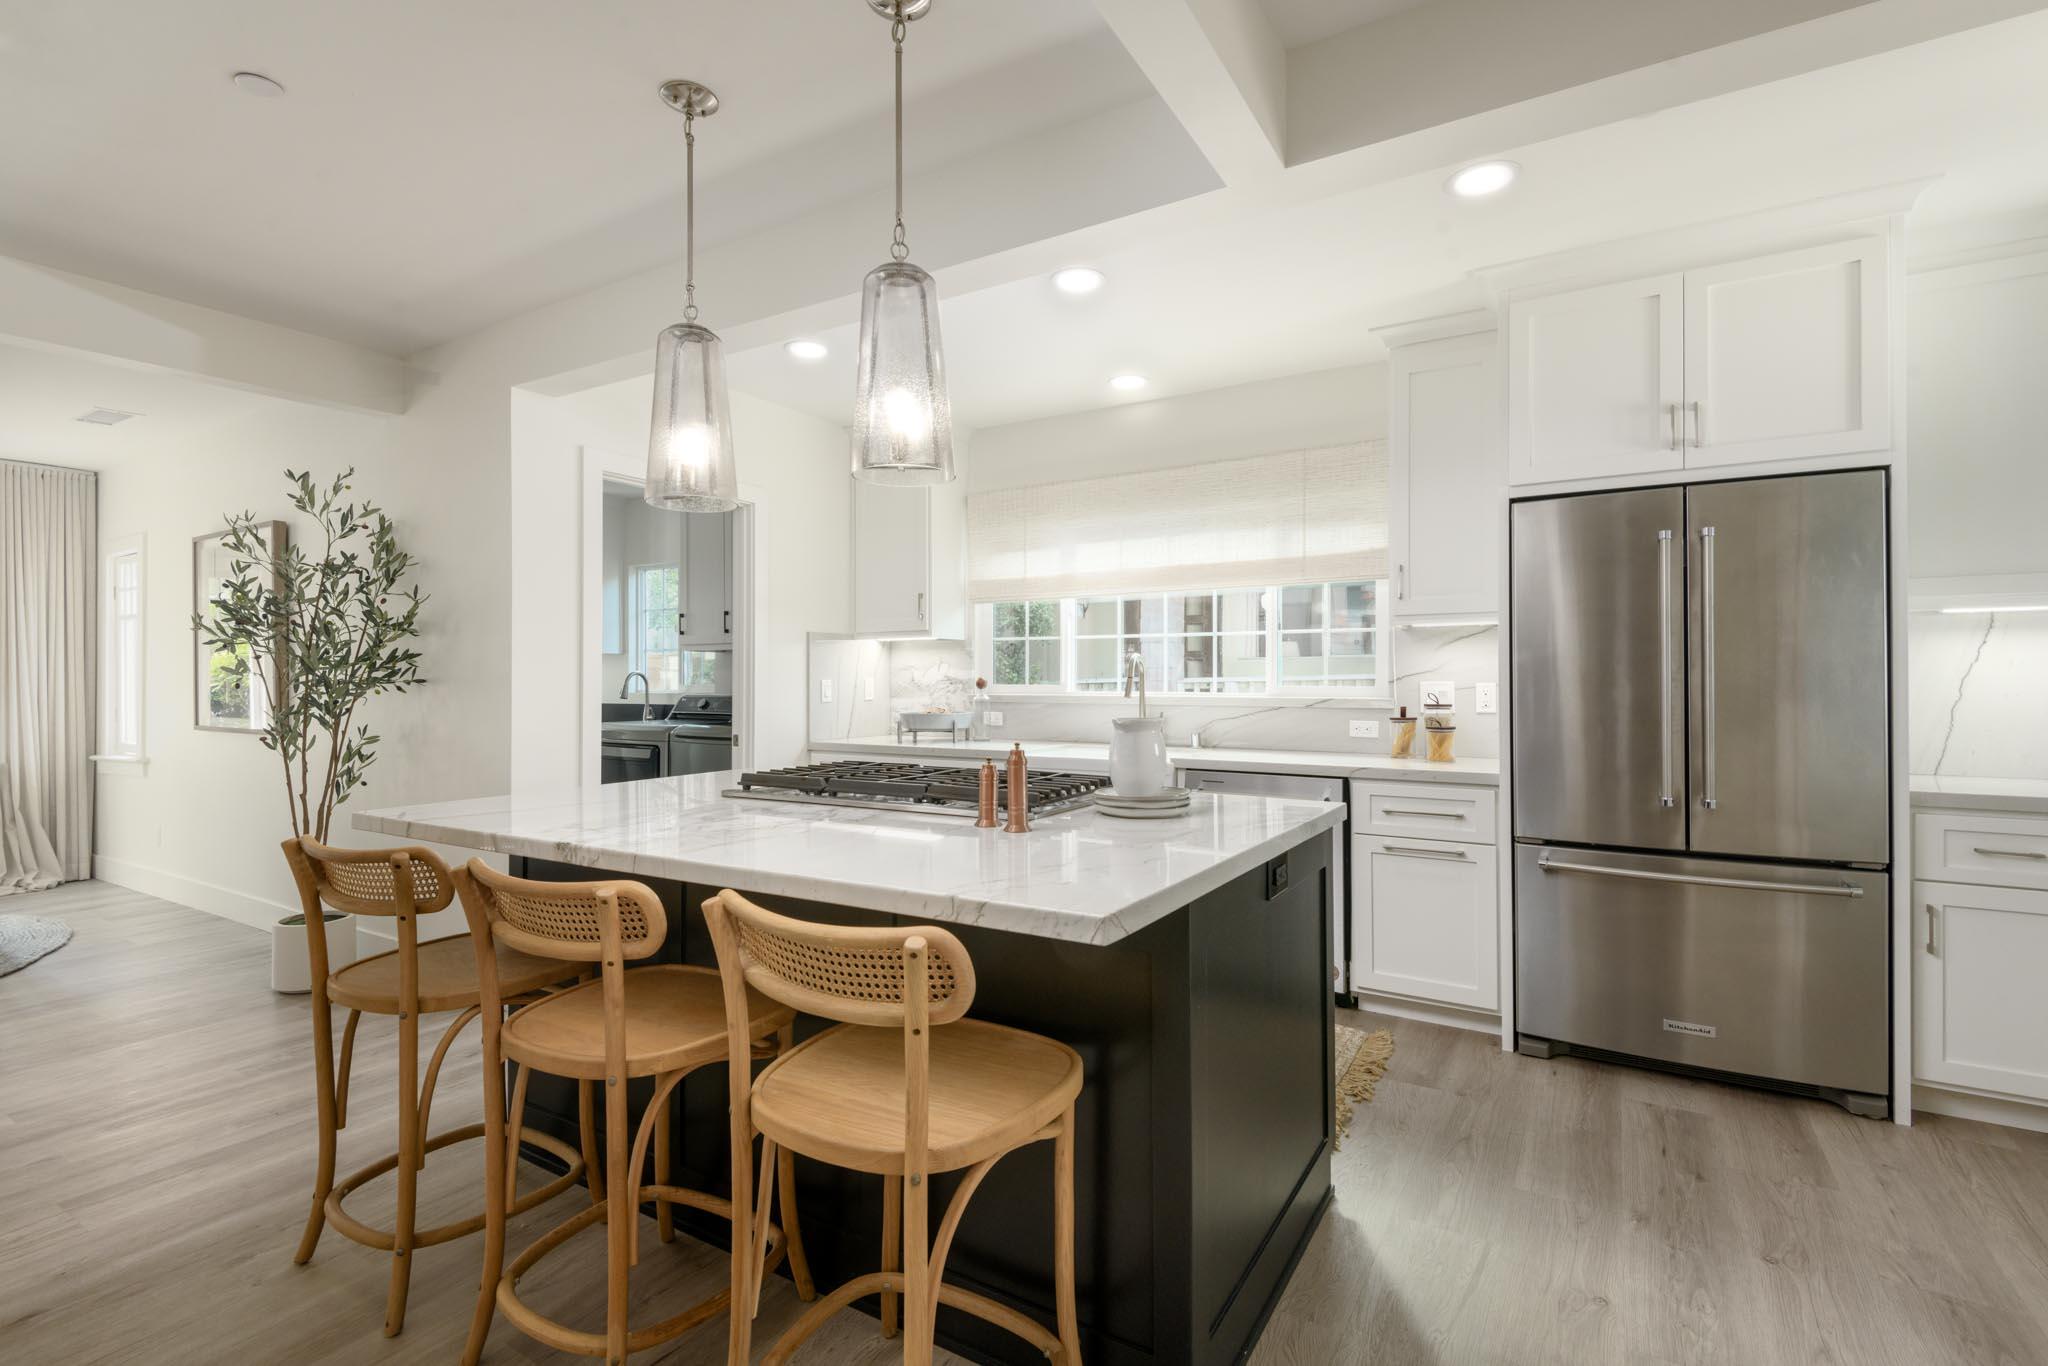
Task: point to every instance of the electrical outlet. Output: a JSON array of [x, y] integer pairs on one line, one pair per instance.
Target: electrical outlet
[[1365, 730], [1439, 695], [995, 718], [1489, 698], [867, 688], [824, 690]]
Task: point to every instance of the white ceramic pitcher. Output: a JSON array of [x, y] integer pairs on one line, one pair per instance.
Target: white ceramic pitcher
[[1137, 756]]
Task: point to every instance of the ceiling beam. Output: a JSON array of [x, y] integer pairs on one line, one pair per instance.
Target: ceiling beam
[[1220, 67]]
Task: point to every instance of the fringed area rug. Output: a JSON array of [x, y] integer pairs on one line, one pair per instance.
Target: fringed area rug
[[25, 938], [1362, 1060]]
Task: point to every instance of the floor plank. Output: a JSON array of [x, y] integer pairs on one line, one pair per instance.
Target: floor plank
[[156, 1118]]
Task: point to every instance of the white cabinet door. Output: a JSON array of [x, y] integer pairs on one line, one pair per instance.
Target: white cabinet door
[[1980, 1014], [1595, 377], [707, 569], [1423, 921], [892, 556], [1443, 450], [1787, 356]]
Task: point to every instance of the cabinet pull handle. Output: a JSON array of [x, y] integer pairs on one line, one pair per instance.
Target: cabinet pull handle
[[2007, 853], [1405, 811], [920, 609], [1671, 418], [1699, 425], [682, 621], [1930, 929], [1408, 851], [728, 621], [1401, 582]]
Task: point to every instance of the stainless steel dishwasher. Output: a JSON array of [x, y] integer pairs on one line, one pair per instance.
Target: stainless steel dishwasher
[[1303, 787]]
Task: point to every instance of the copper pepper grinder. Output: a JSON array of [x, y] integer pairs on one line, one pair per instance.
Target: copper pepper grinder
[[985, 816], [1017, 798]]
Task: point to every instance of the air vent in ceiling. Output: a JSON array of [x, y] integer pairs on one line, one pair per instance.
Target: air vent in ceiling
[[106, 417]]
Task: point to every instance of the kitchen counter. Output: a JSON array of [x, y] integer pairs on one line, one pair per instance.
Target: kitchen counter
[[1188, 962], [1082, 757], [1083, 876], [1981, 794]]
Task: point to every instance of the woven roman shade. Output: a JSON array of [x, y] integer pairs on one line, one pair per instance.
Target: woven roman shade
[[1311, 516]]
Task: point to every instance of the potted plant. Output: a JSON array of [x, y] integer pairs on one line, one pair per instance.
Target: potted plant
[[318, 634]]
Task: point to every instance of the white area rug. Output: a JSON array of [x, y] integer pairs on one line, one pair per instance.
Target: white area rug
[[25, 938]]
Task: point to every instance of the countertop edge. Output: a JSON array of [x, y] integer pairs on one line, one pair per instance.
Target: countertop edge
[[1331, 764]]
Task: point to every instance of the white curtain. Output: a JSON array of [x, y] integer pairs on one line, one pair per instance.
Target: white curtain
[[48, 709], [1314, 516]]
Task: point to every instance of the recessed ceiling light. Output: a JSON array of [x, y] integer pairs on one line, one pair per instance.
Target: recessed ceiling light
[[1077, 280], [105, 417], [805, 349], [257, 84], [1128, 383], [1484, 178]]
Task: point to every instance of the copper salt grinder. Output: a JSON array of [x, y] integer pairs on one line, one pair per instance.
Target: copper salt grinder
[[1018, 796], [985, 815]]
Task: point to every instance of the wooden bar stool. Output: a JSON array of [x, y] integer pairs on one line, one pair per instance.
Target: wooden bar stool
[[902, 1087], [412, 980], [662, 1021]]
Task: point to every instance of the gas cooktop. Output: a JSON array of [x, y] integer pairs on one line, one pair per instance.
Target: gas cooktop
[[913, 787]]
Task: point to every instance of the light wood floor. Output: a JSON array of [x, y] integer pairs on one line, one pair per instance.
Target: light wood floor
[[156, 1146]]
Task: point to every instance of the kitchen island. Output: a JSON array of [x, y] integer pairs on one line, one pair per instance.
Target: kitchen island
[[1186, 960]]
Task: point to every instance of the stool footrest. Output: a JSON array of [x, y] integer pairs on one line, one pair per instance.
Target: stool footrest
[[383, 1240]]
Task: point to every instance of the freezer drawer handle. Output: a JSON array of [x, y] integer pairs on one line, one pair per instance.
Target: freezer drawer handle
[[1408, 851], [1406, 811], [1739, 883], [2007, 853]]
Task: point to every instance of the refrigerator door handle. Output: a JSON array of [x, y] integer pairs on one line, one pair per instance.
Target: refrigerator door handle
[[1740, 883], [1665, 795], [1708, 709]]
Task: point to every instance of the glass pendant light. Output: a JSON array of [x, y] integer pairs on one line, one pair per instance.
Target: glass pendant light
[[689, 446], [902, 419]]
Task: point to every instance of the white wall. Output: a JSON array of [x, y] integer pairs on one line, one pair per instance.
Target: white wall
[[1326, 408]]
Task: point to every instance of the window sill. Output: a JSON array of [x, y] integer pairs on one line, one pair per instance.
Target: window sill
[[121, 763], [1367, 702]]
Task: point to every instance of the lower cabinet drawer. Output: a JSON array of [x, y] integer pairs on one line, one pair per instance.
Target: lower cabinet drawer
[[1424, 920], [1439, 811], [1980, 1014], [1965, 846]]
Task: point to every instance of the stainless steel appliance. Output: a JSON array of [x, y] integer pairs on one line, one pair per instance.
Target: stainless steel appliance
[[1700, 677], [700, 740], [927, 788], [1305, 788], [630, 753]]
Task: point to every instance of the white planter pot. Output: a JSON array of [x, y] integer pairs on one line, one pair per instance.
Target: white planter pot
[[289, 971]]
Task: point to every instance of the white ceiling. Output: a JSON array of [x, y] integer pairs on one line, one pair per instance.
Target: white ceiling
[[438, 166], [43, 392], [1287, 290], [1301, 22]]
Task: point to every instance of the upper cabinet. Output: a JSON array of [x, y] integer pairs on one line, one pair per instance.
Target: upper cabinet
[[909, 560], [1776, 358], [705, 619], [1443, 457]]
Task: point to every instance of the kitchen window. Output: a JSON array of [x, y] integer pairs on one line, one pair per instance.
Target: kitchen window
[[656, 591], [1320, 639], [121, 671]]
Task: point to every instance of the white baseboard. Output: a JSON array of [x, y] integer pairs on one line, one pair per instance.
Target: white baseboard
[[1457, 1017], [186, 891], [2013, 1114]]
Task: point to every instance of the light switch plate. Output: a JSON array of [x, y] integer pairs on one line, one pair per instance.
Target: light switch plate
[[1488, 699], [1439, 695], [1365, 730], [867, 688], [995, 718], [824, 690]]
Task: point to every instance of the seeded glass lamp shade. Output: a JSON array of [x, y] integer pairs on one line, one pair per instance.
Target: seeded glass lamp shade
[[902, 419], [689, 446]]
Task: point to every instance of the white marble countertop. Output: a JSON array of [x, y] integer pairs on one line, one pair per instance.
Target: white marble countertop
[[1084, 877], [1082, 757], [1981, 794]]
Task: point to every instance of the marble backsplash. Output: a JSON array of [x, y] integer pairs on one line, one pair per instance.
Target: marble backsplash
[[941, 674], [855, 669], [1979, 694]]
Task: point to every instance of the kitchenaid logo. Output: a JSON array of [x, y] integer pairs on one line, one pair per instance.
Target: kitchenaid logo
[[1687, 1027]]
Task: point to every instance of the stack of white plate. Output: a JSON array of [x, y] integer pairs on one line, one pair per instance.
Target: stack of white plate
[[1160, 805]]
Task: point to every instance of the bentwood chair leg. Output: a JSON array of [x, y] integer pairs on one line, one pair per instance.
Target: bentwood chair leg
[[892, 1245], [664, 1210], [740, 1336], [323, 1080], [618, 1220], [918, 1321], [799, 1265], [586, 1120], [1063, 1241], [408, 1169], [495, 1204]]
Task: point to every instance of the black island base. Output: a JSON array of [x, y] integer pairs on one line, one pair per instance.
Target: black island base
[[1204, 1129]]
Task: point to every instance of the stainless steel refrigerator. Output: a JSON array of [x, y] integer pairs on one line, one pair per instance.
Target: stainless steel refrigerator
[[1700, 678]]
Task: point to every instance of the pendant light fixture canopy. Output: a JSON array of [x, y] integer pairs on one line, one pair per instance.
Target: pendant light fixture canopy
[[902, 417], [689, 449]]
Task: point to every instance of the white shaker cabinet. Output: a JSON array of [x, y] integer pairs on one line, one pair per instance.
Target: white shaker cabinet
[[705, 621], [1425, 920], [1595, 381], [1443, 457], [1776, 357], [1980, 1013], [909, 560]]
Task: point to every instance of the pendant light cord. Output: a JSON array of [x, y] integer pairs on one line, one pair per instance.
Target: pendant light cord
[[899, 247], [689, 216]]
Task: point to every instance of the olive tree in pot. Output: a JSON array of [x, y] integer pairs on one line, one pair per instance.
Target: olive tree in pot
[[318, 633]]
